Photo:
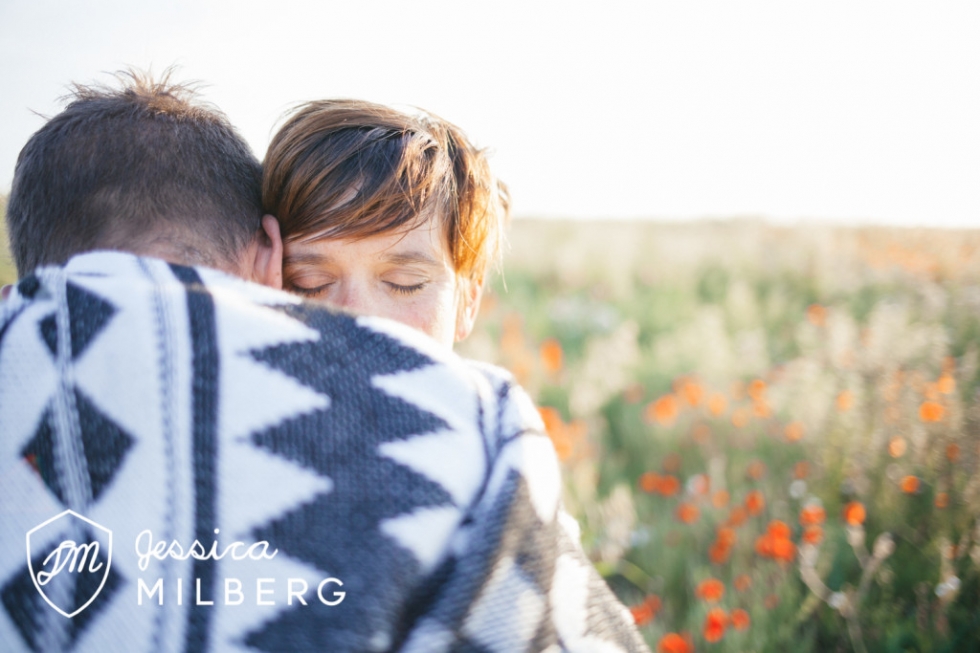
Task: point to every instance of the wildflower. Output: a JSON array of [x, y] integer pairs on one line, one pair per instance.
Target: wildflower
[[717, 404], [797, 489], [737, 517], [674, 643], [720, 499], [692, 392], [726, 536], [942, 500], [687, 513], [952, 452], [816, 315], [718, 553], [710, 590], [755, 502], [896, 446], [556, 430], [910, 484], [756, 470], [946, 384], [649, 482], [761, 409], [778, 529], [775, 542], [757, 390], [845, 401], [740, 619], [643, 613], [794, 431], [662, 411], [854, 513], [771, 601], [801, 469], [551, 355], [669, 485], [930, 411], [742, 582], [812, 534], [811, 515], [715, 624]]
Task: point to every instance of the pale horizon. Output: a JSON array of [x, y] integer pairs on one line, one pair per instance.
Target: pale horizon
[[826, 113]]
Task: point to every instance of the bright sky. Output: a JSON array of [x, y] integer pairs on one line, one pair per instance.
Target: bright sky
[[849, 110]]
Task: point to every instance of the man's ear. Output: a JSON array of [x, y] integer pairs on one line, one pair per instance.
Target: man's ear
[[469, 307], [264, 259]]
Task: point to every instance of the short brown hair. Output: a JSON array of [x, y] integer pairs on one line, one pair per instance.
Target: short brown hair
[[352, 169], [123, 168]]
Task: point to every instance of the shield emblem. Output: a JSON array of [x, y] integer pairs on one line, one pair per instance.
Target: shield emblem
[[68, 557]]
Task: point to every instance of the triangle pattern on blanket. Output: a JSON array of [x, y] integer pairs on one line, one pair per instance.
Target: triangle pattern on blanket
[[340, 532], [89, 315]]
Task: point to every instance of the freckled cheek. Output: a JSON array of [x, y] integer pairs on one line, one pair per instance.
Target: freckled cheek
[[432, 315]]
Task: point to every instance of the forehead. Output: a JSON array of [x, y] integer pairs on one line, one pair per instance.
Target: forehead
[[424, 241]]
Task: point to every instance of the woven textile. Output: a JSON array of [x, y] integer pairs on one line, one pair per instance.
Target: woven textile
[[350, 485]]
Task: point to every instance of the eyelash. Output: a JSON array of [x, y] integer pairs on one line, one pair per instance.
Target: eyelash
[[401, 290]]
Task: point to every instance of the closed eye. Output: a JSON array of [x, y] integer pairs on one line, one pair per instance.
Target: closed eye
[[406, 290]]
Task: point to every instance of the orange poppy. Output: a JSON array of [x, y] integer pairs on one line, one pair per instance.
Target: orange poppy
[[854, 513], [946, 384], [726, 536], [816, 315], [715, 624], [737, 516], [756, 470], [669, 485], [551, 355], [560, 437], [930, 411], [720, 499], [740, 619], [757, 390], [692, 392], [794, 431], [812, 515], [742, 582], [783, 549], [897, 446], [952, 452], [687, 513], [718, 553], [699, 484], [674, 643], [755, 502], [910, 484], [845, 401], [643, 613], [717, 404], [649, 482], [662, 411], [942, 500], [801, 469], [778, 529], [710, 590], [812, 534]]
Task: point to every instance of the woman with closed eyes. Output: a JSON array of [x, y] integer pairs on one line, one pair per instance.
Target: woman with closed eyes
[[385, 213]]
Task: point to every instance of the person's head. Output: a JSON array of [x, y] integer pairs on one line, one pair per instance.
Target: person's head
[[142, 167], [385, 213]]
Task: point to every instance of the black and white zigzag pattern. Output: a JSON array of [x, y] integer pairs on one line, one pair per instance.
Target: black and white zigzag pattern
[[148, 396]]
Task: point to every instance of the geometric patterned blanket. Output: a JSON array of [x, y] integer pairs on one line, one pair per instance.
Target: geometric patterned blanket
[[190, 462]]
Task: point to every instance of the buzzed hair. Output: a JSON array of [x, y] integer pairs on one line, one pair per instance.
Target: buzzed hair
[[130, 167]]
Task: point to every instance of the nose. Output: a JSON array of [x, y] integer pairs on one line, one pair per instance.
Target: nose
[[352, 295]]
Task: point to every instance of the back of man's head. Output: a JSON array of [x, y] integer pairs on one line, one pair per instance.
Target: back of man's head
[[142, 167]]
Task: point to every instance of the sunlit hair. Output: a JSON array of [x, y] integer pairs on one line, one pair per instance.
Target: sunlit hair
[[352, 169], [130, 166]]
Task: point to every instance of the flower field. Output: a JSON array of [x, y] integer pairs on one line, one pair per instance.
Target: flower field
[[770, 436]]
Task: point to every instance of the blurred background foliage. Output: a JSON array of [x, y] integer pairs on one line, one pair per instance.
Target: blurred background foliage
[[770, 435]]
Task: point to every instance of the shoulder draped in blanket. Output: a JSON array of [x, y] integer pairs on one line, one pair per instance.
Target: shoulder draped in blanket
[[314, 458]]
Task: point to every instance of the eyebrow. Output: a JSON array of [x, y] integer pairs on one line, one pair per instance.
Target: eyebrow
[[399, 258]]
